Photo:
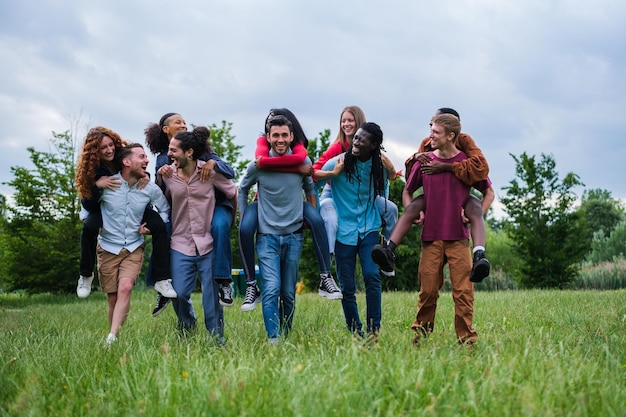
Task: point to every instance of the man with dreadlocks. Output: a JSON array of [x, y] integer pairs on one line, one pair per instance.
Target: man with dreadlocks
[[358, 178]]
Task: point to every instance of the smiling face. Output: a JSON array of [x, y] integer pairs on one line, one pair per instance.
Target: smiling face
[[280, 138], [362, 145], [438, 137], [107, 149], [174, 124], [180, 157], [136, 163], [348, 124]]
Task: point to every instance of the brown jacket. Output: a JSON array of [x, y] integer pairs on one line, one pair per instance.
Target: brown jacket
[[470, 171]]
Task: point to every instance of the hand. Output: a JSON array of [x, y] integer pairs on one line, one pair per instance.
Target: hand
[[143, 182], [423, 158], [463, 218], [306, 169], [143, 229], [338, 167], [420, 220], [207, 171], [166, 171], [434, 167], [108, 182], [257, 162]]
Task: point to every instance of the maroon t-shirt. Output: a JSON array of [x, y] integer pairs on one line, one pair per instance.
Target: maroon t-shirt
[[444, 197]]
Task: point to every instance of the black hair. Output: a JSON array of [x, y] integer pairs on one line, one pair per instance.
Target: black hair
[[277, 121], [377, 175], [156, 139], [198, 140], [124, 152], [298, 133], [448, 110]]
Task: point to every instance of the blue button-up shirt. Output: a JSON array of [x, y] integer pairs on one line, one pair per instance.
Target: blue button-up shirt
[[122, 211], [354, 201]]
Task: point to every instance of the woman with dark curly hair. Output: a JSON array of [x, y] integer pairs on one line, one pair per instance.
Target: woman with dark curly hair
[[158, 137], [96, 165]]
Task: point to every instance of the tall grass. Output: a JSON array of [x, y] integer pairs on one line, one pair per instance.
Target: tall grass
[[540, 353]]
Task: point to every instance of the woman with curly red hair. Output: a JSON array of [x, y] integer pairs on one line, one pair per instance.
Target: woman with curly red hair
[[96, 165]]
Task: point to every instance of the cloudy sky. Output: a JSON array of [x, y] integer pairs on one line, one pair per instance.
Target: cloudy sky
[[534, 76]]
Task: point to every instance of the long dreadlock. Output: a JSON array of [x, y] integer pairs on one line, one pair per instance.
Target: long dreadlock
[[377, 175]]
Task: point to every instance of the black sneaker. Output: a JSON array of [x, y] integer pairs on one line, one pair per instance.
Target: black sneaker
[[481, 267], [384, 257], [161, 305], [250, 300], [226, 295], [328, 287]]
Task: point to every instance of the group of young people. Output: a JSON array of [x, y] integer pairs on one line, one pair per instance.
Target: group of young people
[[192, 204]]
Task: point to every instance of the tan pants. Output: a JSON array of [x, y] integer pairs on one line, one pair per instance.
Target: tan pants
[[433, 257], [112, 267]]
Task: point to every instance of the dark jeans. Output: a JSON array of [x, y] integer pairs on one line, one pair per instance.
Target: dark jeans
[[160, 260], [345, 256], [248, 227]]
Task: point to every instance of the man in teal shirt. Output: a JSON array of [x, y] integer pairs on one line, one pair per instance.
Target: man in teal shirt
[[359, 177]]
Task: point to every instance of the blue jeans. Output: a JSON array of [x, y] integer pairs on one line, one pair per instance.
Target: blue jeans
[[184, 271], [220, 230], [249, 224], [279, 257], [345, 256], [389, 212]]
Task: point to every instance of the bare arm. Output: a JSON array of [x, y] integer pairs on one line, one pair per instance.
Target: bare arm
[[321, 175]]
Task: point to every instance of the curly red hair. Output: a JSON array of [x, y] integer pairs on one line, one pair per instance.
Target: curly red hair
[[89, 158]]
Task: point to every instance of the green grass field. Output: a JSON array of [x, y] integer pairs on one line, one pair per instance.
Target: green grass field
[[540, 353]]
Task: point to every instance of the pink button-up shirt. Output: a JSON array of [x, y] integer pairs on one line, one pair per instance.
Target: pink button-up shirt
[[193, 204]]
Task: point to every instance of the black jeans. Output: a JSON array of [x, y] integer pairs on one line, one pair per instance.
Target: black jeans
[[160, 259]]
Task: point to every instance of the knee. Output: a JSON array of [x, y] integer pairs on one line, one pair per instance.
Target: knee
[[473, 208], [220, 227], [431, 294], [125, 286]]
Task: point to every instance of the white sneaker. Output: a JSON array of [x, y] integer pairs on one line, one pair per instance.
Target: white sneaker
[[111, 338], [165, 288], [83, 289]]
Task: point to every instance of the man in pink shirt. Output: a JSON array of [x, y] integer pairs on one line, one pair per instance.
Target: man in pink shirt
[[193, 204], [445, 238]]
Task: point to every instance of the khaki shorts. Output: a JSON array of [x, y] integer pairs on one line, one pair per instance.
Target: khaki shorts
[[112, 267]]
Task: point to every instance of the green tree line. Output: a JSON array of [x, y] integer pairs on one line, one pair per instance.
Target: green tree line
[[548, 235]]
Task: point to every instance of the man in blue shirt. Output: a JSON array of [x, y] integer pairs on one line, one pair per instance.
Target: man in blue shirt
[[358, 178], [279, 237], [121, 244]]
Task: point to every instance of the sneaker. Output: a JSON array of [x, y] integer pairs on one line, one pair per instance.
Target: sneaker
[[250, 300], [111, 338], [226, 295], [161, 305], [384, 257], [164, 287], [83, 289], [481, 267], [328, 288]]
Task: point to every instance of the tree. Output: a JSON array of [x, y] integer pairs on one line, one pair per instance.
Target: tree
[[601, 211], [545, 230], [609, 248], [41, 230], [223, 144]]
